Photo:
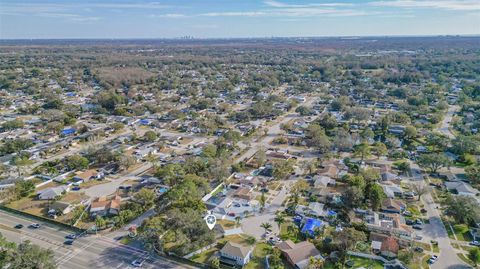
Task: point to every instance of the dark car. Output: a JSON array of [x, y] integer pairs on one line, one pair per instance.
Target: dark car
[[417, 227], [409, 222], [19, 226], [68, 242], [71, 236]]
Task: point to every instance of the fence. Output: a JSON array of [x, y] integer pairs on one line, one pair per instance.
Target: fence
[[43, 219]]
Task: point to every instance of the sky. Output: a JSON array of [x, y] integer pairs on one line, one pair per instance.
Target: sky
[[31, 19]]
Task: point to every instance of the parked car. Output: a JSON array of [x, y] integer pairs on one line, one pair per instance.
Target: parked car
[[34, 226], [409, 222], [68, 242], [138, 263], [433, 259], [419, 249], [231, 214], [417, 227], [19, 226], [475, 243]]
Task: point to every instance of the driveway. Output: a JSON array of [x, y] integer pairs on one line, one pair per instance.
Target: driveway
[[251, 225], [112, 186], [435, 230]]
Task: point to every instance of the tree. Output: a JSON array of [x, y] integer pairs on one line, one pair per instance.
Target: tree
[[266, 226], [237, 220], [262, 201], [474, 255], [150, 136], [437, 141], [279, 219], [100, 222], [20, 162], [409, 133], [380, 149], [76, 162], [433, 161], [26, 255], [146, 197], [24, 188], [465, 144], [283, 169], [463, 209], [275, 259], [362, 150], [376, 196], [215, 263], [420, 189], [315, 263], [316, 138], [473, 173]]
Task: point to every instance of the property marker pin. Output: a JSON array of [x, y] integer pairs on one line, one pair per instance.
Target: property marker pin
[[210, 220]]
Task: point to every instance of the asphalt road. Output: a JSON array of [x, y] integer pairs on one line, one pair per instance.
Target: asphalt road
[[92, 251]]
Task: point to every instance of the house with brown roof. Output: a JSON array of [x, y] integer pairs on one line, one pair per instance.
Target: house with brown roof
[[298, 255], [243, 193], [235, 254], [389, 247], [102, 206], [393, 206], [86, 175]]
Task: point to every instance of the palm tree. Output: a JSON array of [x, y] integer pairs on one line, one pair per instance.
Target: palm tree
[[267, 226], [279, 220], [237, 220]]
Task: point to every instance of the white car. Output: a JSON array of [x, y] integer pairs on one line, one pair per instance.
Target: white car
[[138, 263], [475, 243], [433, 259], [34, 226]]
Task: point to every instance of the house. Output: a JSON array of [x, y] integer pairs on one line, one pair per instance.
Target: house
[[314, 209], [235, 254], [86, 176], [243, 193], [323, 182], [298, 255], [393, 190], [59, 207], [389, 247], [311, 225], [393, 206], [52, 193], [461, 188], [105, 207]]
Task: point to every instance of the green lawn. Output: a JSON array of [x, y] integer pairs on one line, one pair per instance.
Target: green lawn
[[204, 256], [366, 263], [462, 233]]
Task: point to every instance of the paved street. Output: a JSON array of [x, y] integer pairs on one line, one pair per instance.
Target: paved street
[[445, 125], [87, 252]]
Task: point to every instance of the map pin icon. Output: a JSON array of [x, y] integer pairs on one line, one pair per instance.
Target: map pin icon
[[210, 220]]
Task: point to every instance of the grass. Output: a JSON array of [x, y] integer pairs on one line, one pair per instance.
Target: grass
[[462, 233], [92, 183], [226, 224], [259, 254], [204, 256], [365, 263], [465, 259], [435, 248]]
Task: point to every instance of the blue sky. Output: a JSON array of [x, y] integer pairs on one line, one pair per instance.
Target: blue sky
[[235, 18]]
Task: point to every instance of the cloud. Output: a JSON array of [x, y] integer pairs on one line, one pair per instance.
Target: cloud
[[235, 14], [168, 15], [273, 3], [458, 5]]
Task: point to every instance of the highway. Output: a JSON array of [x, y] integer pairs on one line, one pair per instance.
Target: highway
[[92, 251]]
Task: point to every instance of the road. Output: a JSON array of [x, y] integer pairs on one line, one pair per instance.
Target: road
[[436, 230], [445, 125], [91, 251]]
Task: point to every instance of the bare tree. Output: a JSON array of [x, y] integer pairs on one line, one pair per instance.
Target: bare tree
[[420, 188]]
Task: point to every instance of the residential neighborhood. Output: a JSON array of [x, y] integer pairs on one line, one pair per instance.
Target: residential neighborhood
[[309, 153]]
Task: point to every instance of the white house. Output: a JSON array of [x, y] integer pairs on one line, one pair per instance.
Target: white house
[[235, 254]]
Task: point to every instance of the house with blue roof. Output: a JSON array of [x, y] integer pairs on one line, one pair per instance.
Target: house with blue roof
[[68, 131], [311, 225]]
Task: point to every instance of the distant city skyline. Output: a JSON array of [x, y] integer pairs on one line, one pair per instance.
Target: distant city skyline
[[25, 19]]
